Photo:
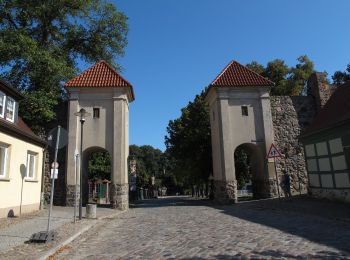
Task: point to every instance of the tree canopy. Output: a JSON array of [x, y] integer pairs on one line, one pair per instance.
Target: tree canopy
[[149, 162], [288, 80], [188, 143], [41, 43], [340, 77], [99, 166]]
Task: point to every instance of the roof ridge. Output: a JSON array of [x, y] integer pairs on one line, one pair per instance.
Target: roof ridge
[[222, 72], [115, 71], [101, 74], [236, 74], [254, 72]]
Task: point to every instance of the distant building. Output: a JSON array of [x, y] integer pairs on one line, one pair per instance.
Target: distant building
[[21, 158], [327, 148]]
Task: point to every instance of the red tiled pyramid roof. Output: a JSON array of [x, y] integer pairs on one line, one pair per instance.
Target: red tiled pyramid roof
[[99, 75], [335, 112], [237, 75]]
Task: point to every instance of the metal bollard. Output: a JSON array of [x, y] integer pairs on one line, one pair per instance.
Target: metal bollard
[[91, 210]]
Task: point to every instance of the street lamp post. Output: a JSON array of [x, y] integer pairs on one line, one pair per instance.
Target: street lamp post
[[82, 114]]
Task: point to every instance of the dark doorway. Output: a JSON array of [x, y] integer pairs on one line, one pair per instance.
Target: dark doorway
[[250, 172], [97, 176]]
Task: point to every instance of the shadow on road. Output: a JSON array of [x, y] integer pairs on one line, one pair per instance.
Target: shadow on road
[[273, 254], [320, 221]]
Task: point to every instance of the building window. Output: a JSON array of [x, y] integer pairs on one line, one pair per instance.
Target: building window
[[310, 150], [2, 104], [244, 110], [3, 160], [96, 112], [10, 109], [31, 165]]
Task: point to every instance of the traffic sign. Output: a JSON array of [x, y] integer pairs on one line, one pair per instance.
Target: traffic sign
[[273, 152], [54, 174], [53, 165], [63, 138]]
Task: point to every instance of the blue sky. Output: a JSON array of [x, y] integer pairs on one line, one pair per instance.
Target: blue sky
[[177, 47]]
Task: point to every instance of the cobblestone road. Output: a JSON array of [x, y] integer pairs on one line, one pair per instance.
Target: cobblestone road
[[181, 228]]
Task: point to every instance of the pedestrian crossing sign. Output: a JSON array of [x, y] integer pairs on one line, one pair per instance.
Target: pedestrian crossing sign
[[273, 152]]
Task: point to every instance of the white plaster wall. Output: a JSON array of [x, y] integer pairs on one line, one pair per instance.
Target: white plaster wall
[[342, 180], [230, 129], [327, 180], [10, 189], [109, 131], [314, 180]]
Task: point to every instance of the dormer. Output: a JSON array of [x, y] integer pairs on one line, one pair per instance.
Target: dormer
[[9, 99]]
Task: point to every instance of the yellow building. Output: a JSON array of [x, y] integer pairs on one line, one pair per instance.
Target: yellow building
[[21, 158]]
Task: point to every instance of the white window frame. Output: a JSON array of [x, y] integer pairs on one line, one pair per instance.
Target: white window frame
[[35, 156], [3, 173], [3, 104], [14, 109]]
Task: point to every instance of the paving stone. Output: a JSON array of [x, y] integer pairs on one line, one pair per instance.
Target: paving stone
[[196, 229]]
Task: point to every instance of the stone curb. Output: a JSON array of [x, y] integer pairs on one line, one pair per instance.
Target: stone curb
[[74, 236], [63, 243]]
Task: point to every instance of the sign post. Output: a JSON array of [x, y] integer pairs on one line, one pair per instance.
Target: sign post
[[57, 138], [55, 164], [76, 156], [274, 153]]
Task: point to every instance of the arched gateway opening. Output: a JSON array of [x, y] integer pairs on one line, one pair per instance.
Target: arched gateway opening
[[250, 172], [97, 176]]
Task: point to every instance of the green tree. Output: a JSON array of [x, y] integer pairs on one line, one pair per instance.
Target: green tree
[[340, 77], [41, 42], [188, 143], [299, 75], [241, 167], [288, 80], [99, 166], [149, 162], [256, 67], [277, 71]]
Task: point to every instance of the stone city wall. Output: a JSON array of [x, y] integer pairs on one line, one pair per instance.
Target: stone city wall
[[290, 115]]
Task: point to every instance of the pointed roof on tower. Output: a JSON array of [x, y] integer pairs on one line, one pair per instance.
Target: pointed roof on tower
[[237, 75], [100, 75]]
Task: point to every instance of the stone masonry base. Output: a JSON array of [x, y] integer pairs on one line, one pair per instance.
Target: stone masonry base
[[225, 192], [70, 189], [119, 194]]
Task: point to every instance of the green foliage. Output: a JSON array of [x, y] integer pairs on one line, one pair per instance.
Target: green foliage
[[256, 67], [149, 162], [99, 166], [41, 41], [242, 167], [340, 77], [188, 143], [300, 74], [288, 81]]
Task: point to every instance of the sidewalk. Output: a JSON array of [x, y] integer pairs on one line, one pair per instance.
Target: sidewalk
[[15, 233]]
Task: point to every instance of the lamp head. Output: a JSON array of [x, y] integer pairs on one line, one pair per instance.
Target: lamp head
[[82, 114]]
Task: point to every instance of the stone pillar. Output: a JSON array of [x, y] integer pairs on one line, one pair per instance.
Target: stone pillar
[[73, 143], [225, 184], [120, 196], [225, 192], [119, 186], [269, 190]]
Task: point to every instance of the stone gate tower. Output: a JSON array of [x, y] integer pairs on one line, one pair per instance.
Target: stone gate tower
[[103, 93], [240, 117]]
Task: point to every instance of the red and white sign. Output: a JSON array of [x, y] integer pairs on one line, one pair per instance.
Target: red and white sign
[[53, 165], [273, 152]]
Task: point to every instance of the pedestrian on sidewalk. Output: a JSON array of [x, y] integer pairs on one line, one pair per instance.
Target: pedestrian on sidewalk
[[286, 185]]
